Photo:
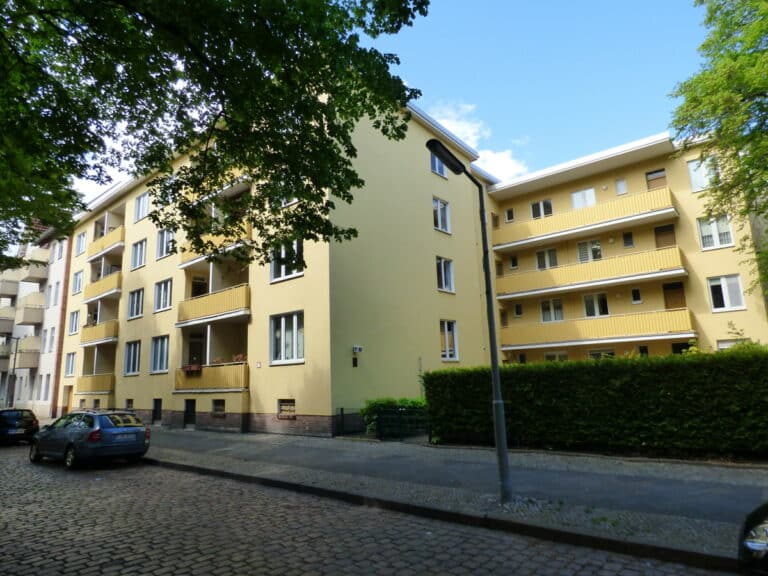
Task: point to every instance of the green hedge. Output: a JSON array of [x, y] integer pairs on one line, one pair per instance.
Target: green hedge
[[680, 405], [392, 418]]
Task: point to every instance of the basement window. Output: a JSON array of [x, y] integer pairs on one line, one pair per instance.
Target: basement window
[[218, 408], [286, 409]]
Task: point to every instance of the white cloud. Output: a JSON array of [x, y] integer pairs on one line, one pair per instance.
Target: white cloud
[[461, 120]]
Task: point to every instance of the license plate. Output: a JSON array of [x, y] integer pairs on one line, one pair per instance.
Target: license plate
[[18, 431], [125, 437]]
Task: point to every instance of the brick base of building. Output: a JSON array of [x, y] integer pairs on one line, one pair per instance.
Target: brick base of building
[[227, 422]]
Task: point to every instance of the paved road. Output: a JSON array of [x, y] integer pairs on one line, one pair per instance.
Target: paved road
[[141, 520]]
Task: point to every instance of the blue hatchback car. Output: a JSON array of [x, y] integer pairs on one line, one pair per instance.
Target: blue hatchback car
[[90, 434]]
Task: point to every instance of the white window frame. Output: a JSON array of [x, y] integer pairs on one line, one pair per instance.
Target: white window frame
[[509, 215], [628, 236], [549, 258], [726, 284], [80, 241], [621, 186], [77, 282], [48, 293], [445, 274], [437, 166], [60, 251], [600, 353], [51, 339], [165, 239], [138, 254], [163, 293], [715, 232], [74, 322], [69, 364], [517, 309], [135, 303], [441, 214], [56, 294], [158, 362], [639, 299], [591, 248], [132, 360], [552, 306], [594, 300], [141, 207], [540, 207], [700, 174], [277, 325], [514, 263], [583, 198], [449, 335], [279, 270], [556, 356]]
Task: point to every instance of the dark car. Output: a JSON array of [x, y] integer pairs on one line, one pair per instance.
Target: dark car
[[90, 434], [17, 424]]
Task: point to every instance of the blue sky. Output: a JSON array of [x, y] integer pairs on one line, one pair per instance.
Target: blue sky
[[531, 84]]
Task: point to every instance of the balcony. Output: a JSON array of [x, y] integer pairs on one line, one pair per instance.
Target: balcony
[[644, 208], [188, 256], [27, 354], [30, 309], [114, 241], [101, 333], [107, 287], [36, 272], [7, 319], [637, 267], [96, 383], [218, 377], [9, 288], [221, 305], [657, 325]]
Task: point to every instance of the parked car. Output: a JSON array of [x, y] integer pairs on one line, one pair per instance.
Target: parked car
[[90, 434], [17, 424]]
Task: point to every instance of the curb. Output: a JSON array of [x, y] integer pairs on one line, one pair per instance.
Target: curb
[[686, 557]]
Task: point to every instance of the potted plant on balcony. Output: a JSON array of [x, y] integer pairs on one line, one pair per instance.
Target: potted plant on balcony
[[194, 366]]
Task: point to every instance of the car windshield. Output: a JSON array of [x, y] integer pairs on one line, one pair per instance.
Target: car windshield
[[120, 420]]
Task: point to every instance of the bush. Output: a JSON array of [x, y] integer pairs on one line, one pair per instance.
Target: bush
[[679, 405], [390, 417]]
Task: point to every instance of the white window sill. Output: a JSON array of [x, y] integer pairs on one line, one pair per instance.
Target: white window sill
[[443, 176], [450, 359], [130, 374], [152, 373], [163, 309], [135, 317], [447, 232], [135, 267], [735, 309], [710, 248], [286, 362], [284, 278], [445, 291]]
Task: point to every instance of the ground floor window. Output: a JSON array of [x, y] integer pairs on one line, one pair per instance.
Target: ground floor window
[[448, 341], [287, 338]]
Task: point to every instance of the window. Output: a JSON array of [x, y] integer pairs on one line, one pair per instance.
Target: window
[[656, 179], [43, 340], [494, 220], [551, 310], [132, 357], [159, 357], [725, 344], [589, 251], [546, 259], [504, 318], [48, 292], [80, 244], [518, 307], [715, 232], [286, 409], [499, 268], [621, 186], [96, 404], [437, 165], [288, 338], [164, 243], [441, 213], [726, 293], [522, 358], [444, 274], [596, 305], [284, 260], [541, 208], [77, 282], [509, 215], [218, 407], [136, 303], [141, 207], [163, 295], [629, 240], [448, 343], [74, 321], [583, 198], [513, 262], [138, 254], [69, 364], [47, 392], [642, 350], [555, 356], [129, 403], [60, 251], [56, 294], [700, 173], [636, 296], [51, 340], [600, 354]]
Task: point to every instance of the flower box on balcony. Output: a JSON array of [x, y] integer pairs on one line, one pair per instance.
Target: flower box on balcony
[[192, 368]]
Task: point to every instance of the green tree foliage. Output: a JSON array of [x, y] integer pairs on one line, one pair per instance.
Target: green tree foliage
[[725, 106], [267, 91]]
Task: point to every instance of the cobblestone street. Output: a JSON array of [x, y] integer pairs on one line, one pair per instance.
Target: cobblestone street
[[140, 520]]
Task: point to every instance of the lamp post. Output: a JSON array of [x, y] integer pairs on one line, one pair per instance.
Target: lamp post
[[11, 394], [499, 425]]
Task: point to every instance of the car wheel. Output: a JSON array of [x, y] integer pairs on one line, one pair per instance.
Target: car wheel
[[34, 453], [70, 458]]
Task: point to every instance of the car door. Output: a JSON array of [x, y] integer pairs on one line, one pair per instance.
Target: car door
[[51, 441]]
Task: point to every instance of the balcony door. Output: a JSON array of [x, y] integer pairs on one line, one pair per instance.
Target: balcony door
[[674, 296], [665, 236]]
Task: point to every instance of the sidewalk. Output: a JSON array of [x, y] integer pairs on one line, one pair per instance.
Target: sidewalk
[[672, 510]]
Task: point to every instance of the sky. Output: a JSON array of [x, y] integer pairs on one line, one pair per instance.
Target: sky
[[533, 83]]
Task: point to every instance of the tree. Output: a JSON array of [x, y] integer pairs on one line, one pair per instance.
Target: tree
[[725, 108], [262, 91]]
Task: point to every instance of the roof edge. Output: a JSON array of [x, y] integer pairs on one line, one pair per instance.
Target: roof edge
[[441, 130]]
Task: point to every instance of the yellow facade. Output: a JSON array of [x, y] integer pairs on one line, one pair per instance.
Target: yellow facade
[[615, 254]]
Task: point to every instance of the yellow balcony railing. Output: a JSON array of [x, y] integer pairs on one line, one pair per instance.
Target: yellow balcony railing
[[106, 285], [630, 205], [213, 377], [100, 331], [187, 254], [215, 303], [605, 269], [519, 334], [114, 237], [96, 383]]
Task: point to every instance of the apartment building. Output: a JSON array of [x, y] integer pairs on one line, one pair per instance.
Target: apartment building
[[188, 342], [31, 301], [615, 254]]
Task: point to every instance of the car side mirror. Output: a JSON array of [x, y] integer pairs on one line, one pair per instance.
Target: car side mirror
[[753, 542]]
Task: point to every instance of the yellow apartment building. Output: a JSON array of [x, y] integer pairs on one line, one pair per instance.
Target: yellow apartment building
[[615, 254], [188, 342]]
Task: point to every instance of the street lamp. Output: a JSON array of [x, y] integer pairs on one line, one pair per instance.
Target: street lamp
[[11, 394], [499, 425]]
